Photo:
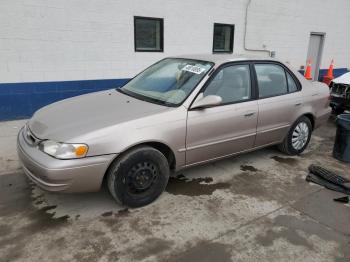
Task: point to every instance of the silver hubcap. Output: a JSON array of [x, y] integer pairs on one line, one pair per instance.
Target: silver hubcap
[[300, 136]]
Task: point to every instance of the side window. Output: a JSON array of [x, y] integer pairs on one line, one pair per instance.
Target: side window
[[232, 84], [292, 86], [271, 80]]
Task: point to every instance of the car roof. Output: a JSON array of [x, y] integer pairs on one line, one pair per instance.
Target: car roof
[[224, 58]]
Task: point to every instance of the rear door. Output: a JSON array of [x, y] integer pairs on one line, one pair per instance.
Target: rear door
[[280, 102], [228, 128]]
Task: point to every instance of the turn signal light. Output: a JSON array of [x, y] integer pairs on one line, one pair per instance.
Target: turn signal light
[[81, 151]]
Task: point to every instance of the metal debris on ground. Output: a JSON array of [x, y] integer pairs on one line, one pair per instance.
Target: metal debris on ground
[[342, 199], [328, 179]]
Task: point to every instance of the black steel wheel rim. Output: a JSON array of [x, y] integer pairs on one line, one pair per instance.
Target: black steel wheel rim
[[141, 177]]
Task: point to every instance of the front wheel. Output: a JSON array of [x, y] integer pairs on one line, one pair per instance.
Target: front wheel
[[298, 137], [138, 177]]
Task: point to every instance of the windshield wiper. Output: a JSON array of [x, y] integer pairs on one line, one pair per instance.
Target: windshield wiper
[[124, 92], [145, 98]]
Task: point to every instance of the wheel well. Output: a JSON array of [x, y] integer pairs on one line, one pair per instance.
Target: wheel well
[[311, 118], [164, 149]]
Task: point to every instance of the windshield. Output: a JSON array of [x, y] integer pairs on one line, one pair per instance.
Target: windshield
[[169, 81]]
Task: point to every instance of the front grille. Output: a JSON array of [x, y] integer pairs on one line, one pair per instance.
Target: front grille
[[340, 90]]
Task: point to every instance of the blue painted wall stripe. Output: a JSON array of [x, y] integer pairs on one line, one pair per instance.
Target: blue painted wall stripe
[[21, 100], [336, 72]]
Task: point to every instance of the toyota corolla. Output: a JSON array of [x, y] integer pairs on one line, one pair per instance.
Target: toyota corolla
[[179, 112]]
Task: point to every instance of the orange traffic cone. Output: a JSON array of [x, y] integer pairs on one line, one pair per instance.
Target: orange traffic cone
[[307, 74], [327, 79]]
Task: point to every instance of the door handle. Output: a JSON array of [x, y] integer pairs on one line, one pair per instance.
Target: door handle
[[298, 104], [249, 114]]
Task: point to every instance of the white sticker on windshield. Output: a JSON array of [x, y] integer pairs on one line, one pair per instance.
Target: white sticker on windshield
[[193, 69]]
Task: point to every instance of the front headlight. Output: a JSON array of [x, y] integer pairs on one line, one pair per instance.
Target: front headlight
[[62, 150]]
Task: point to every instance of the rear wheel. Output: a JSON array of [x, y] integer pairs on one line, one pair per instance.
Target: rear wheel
[[138, 177], [298, 137]]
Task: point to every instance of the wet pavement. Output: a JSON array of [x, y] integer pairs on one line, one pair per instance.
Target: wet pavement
[[252, 207]]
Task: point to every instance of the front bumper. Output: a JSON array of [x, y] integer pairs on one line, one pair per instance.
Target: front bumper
[[70, 176]]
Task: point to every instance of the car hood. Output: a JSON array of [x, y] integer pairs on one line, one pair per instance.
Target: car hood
[[343, 79], [67, 119]]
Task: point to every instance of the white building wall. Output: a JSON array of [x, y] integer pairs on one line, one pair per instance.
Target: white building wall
[[285, 26], [54, 40]]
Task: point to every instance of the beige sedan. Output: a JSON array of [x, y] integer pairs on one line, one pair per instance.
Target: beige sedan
[[179, 112]]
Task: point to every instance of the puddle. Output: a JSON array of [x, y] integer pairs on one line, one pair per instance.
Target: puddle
[[44, 219], [107, 214], [121, 212], [248, 168], [17, 201], [285, 160], [180, 185], [251, 184], [205, 251], [5, 230], [80, 207], [296, 231], [151, 247]]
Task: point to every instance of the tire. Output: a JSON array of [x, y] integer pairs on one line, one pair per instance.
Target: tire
[[138, 177], [287, 145]]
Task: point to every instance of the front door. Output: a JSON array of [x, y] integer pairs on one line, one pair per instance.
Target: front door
[[229, 127]]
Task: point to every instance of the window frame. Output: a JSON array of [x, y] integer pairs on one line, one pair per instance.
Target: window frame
[[286, 69], [161, 37], [232, 31], [253, 87]]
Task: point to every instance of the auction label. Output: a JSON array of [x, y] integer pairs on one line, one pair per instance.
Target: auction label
[[194, 69]]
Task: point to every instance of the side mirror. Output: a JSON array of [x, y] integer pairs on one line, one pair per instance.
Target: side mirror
[[206, 101]]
